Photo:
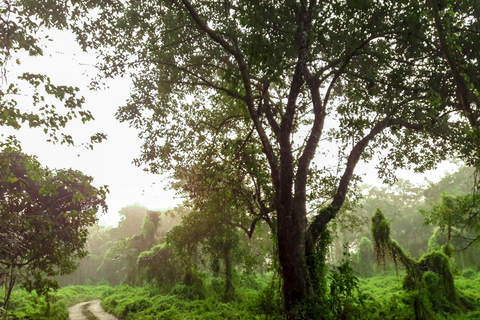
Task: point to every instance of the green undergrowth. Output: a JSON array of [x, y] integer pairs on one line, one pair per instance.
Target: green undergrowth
[[384, 298], [183, 302], [381, 297], [254, 298], [74, 294], [24, 305]]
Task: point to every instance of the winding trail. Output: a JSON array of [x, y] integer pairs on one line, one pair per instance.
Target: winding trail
[[89, 310]]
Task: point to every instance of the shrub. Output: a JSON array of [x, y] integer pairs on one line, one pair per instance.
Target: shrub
[[270, 299], [468, 273], [189, 292], [136, 306], [251, 282], [364, 258], [217, 285]]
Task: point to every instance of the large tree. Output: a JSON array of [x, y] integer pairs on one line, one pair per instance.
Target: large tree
[[45, 215], [367, 75]]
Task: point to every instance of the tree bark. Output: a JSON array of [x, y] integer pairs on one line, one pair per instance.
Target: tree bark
[[229, 288], [291, 252]]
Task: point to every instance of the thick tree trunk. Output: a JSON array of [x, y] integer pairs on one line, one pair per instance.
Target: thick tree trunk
[[291, 251]]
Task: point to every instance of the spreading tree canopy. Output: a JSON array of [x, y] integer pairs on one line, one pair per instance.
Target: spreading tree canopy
[[393, 81], [45, 215]]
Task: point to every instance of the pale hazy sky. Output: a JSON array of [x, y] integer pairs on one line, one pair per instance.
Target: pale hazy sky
[[110, 163]]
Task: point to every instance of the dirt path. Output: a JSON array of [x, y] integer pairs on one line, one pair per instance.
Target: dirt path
[[89, 310]]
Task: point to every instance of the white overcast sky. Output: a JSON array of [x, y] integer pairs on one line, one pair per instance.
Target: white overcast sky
[[110, 163]]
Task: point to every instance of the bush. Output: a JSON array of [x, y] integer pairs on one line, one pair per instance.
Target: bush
[[468, 273], [251, 282], [24, 305], [136, 306], [189, 292], [217, 285], [270, 300]]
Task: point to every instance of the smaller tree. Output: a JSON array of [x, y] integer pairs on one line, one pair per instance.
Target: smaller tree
[[400, 203], [160, 265], [88, 269], [45, 217], [206, 232], [150, 225], [122, 256], [364, 258], [457, 216], [458, 221]]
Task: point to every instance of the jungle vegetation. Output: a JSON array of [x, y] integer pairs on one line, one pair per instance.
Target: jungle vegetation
[[241, 103], [391, 262]]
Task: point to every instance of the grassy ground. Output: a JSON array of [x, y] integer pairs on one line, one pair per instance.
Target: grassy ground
[[384, 296], [381, 297]]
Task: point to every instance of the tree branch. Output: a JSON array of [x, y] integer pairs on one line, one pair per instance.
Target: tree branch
[[267, 147], [320, 221]]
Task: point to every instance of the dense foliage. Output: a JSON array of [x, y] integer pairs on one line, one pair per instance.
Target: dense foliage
[[393, 79], [45, 215], [243, 103], [189, 276]]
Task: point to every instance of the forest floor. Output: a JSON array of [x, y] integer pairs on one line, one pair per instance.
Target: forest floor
[[89, 310]]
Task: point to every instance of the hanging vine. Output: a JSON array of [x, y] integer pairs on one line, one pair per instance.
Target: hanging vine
[[430, 276]]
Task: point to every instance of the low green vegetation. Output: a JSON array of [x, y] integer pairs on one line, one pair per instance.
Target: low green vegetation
[[380, 297], [24, 305]]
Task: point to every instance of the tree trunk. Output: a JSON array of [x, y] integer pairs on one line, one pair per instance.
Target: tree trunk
[[9, 284], [291, 251], [188, 279], [229, 288], [215, 266]]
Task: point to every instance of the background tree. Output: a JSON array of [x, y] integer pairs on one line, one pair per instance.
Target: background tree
[[45, 218], [119, 262], [121, 258], [88, 270], [453, 208], [131, 220], [363, 261], [458, 221], [460, 182], [294, 72], [400, 203], [113, 254], [201, 233], [160, 265]]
